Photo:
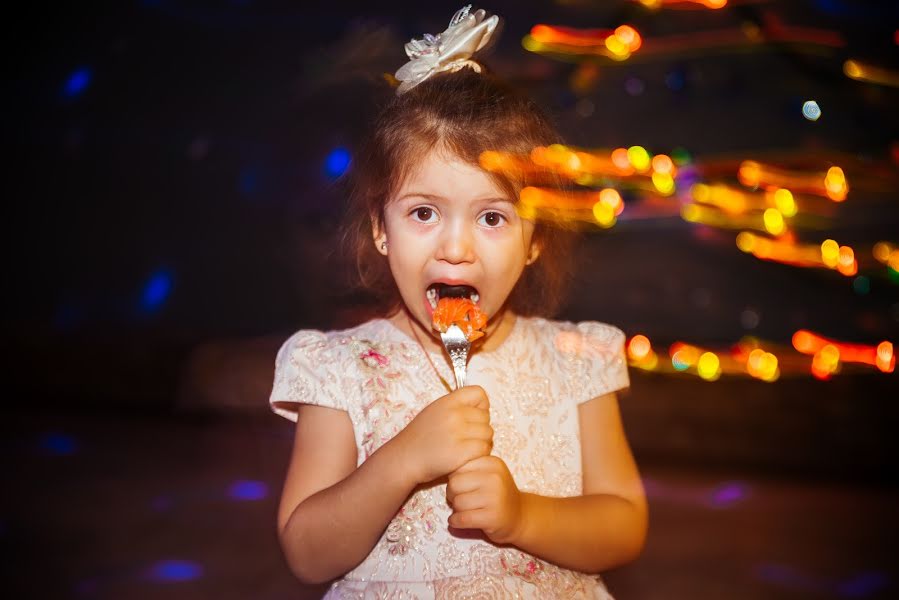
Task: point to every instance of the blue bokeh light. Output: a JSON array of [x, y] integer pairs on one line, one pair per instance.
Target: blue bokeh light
[[249, 181], [864, 584], [248, 490], [174, 571], [58, 444], [156, 291], [337, 162], [77, 82]]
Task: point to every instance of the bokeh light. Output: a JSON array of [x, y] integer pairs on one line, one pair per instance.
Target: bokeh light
[[811, 110], [245, 490], [156, 291], [638, 157], [174, 571], [77, 82], [709, 366], [337, 162], [774, 221]]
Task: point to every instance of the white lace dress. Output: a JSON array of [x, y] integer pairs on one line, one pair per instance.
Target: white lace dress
[[381, 377]]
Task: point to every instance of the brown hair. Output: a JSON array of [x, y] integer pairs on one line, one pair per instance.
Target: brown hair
[[465, 113]]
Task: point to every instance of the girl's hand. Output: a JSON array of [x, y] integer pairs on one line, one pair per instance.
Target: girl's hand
[[447, 433], [484, 496]]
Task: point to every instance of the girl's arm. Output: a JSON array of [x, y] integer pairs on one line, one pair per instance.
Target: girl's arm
[[602, 529], [331, 513]]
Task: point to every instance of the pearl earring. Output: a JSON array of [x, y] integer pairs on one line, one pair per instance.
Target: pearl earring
[[384, 245]]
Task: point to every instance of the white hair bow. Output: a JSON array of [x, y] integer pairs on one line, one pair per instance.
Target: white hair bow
[[448, 51]]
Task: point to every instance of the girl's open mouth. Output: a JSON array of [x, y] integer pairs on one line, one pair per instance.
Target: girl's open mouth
[[436, 291]]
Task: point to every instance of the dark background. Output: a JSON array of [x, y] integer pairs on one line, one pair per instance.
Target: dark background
[[172, 218]]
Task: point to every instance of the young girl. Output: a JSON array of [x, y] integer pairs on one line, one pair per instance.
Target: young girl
[[520, 484]]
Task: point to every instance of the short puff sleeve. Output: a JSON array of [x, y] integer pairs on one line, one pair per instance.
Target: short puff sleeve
[[601, 362], [306, 373]]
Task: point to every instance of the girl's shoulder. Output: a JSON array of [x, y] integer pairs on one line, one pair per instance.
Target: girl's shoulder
[[573, 337], [338, 341], [588, 354]]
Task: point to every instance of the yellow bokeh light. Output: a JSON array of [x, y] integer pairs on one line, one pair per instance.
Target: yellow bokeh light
[[664, 183], [629, 37], [830, 356], [612, 198], [882, 252], [852, 69], [745, 241], [783, 199], [830, 253], [708, 366], [835, 184], [604, 214], [573, 162], [700, 192], [526, 212], [690, 213], [774, 221], [530, 44], [638, 158], [530, 196], [750, 173], [617, 48]]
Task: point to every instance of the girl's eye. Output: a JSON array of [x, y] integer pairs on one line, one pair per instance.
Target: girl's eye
[[424, 214], [491, 219]]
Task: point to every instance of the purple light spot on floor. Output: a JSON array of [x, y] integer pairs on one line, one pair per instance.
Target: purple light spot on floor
[[175, 571], [58, 444], [787, 576], [248, 490], [162, 503], [863, 584], [728, 494], [87, 587]]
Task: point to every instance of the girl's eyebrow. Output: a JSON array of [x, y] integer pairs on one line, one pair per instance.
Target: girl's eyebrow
[[438, 197]]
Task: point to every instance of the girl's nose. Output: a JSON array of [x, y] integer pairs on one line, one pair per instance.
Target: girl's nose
[[456, 245]]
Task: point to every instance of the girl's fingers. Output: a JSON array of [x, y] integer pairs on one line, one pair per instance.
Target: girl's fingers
[[475, 415], [468, 501], [462, 483], [470, 519], [475, 448], [479, 431]]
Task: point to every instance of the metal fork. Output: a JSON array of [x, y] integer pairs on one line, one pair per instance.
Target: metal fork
[[457, 346]]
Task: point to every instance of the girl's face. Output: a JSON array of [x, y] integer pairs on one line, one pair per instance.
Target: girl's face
[[450, 224]]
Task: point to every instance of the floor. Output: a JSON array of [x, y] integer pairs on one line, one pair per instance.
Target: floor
[[181, 506]]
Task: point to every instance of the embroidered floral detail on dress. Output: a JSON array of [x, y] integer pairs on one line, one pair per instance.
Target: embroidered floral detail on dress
[[534, 396], [522, 565], [413, 519], [379, 392], [481, 588], [374, 359]]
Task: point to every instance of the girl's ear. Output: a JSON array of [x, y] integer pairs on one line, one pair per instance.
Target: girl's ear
[[379, 236], [533, 252]]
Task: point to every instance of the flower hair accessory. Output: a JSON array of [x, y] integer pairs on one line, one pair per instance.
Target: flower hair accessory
[[448, 51]]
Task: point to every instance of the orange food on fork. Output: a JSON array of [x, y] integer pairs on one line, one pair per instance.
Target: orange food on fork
[[461, 312]]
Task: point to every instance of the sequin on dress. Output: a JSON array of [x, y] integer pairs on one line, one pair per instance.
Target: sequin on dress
[[535, 379]]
